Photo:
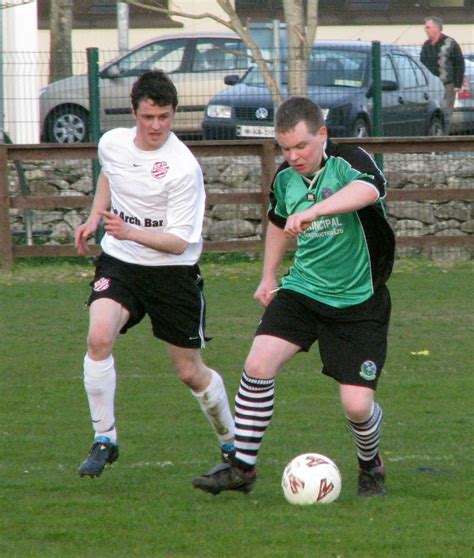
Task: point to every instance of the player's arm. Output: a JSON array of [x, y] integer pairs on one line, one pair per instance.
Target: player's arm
[[100, 203], [354, 196], [161, 241], [276, 245]]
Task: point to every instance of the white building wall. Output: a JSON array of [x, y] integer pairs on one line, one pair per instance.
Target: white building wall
[[20, 73]]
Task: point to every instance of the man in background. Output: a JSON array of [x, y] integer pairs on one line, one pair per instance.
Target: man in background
[[443, 57]]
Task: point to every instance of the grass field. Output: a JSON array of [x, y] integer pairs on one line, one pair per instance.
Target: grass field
[[144, 506]]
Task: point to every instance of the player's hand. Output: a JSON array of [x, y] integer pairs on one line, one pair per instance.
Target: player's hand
[[81, 236], [299, 222], [115, 226], [265, 292]]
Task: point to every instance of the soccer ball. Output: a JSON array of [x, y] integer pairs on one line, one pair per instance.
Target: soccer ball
[[311, 478]]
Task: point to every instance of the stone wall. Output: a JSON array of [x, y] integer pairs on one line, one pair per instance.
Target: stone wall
[[226, 221], [452, 218]]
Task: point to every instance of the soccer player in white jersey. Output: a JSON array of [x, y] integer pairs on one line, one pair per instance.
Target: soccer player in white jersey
[[150, 197]]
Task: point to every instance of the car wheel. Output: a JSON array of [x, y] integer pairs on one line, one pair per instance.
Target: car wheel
[[68, 124], [360, 129], [436, 127]]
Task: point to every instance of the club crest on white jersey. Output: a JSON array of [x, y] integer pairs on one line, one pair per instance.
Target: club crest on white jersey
[[160, 169]]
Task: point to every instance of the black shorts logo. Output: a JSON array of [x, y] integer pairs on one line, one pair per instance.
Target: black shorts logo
[[368, 370], [101, 284]]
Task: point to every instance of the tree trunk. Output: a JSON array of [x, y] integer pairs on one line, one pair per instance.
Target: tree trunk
[[60, 25], [297, 52]]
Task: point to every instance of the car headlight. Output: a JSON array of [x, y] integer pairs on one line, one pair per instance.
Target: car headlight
[[219, 111]]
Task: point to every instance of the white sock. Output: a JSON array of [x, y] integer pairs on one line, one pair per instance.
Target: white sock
[[99, 383], [215, 405]]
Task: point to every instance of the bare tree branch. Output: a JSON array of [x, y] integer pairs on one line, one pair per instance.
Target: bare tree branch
[[172, 13], [301, 36], [233, 24], [254, 49]]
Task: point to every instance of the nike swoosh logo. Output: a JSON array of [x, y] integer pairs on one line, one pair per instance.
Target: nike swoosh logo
[[135, 165]]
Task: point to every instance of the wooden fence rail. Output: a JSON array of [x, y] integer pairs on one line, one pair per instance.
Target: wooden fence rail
[[265, 150]]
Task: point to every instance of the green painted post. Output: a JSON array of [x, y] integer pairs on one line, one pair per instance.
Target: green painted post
[[377, 97], [94, 116], [94, 97]]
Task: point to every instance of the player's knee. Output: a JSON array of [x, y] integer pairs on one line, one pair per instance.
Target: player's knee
[[99, 344], [188, 372], [256, 367], [357, 410]]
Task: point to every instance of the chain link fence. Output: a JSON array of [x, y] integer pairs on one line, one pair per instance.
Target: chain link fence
[[339, 78]]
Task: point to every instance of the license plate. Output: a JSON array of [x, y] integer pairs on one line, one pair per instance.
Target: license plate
[[255, 131]]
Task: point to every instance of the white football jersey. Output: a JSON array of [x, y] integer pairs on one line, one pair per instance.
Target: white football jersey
[[160, 191]]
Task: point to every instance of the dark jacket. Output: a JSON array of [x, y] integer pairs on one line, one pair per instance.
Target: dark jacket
[[444, 59]]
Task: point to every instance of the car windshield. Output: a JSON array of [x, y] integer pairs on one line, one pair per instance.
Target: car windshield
[[327, 67]]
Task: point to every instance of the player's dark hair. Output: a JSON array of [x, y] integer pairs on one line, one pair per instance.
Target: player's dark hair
[[436, 20], [296, 109], [156, 86]]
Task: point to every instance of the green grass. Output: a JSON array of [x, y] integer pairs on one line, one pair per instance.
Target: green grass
[[145, 506]]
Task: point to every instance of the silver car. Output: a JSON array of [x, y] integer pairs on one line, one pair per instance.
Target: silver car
[[462, 120], [196, 62]]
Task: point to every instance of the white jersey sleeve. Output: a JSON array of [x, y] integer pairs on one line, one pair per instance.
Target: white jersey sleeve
[[185, 211]]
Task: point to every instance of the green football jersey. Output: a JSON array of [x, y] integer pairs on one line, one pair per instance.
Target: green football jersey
[[333, 262]]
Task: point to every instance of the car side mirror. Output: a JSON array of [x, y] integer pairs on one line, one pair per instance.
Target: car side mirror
[[232, 79], [387, 85], [112, 72]]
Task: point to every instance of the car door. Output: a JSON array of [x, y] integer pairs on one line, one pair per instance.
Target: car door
[[392, 109], [116, 81], [211, 60], [414, 95]]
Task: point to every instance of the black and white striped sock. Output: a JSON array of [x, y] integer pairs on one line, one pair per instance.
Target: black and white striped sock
[[367, 437], [253, 413]]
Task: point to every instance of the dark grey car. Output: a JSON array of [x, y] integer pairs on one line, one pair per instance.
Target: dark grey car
[[339, 80]]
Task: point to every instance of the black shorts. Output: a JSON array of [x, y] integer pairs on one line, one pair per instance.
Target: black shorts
[[352, 341], [170, 295]]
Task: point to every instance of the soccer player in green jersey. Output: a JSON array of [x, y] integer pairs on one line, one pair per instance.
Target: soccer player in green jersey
[[329, 198]]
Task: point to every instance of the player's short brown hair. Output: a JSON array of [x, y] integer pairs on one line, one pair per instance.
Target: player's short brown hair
[[156, 86], [296, 109]]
